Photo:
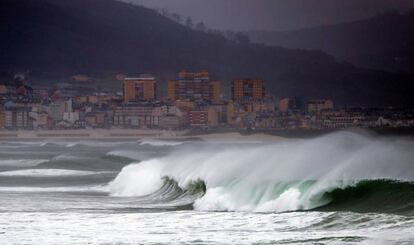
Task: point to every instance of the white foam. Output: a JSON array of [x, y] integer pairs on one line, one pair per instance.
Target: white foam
[[190, 227], [216, 199], [161, 142], [21, 162], [71, 144], [289, 200], [48, 172], [95, 143], [54, 189], [67, 157], [273, 177], [127, 154], [137, 179]]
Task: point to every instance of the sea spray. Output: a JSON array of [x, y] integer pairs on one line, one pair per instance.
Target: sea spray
[[153, 142], [50, 173], [272, 177], [138, 179]]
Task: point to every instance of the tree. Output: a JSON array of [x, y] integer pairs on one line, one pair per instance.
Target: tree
[[201, 26], [164, 12], [242, 38], [189, 22], [230, 35], [176, 17]]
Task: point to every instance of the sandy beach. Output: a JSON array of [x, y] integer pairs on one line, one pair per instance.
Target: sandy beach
[[90, 134], [133, 134]]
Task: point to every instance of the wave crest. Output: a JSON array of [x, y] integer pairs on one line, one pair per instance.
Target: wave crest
[[273, 177], [48, 173], [22, 162], [153, 142]]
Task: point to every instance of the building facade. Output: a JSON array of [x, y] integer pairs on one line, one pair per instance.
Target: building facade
[[215, 91], [194, 87], [18, 118], [142, 88], [198, 118], [247, 89], [135, 116], [317, 106]]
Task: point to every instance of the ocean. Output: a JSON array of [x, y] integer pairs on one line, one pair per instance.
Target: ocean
[[341, 188]]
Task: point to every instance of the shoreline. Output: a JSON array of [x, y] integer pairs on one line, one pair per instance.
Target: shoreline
[[209, 135], [133, 134]]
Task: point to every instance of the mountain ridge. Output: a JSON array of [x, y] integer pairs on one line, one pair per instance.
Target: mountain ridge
[[105, 37], [383, 42]]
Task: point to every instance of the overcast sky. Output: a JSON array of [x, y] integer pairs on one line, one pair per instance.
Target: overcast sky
[[275, 14]]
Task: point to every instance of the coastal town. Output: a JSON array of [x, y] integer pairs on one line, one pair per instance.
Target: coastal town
[[191, 100]]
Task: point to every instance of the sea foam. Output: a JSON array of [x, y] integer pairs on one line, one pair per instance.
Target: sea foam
[[273, 177], [48, 172]]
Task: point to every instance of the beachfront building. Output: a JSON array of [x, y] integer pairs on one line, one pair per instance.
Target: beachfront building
[[2, 118], [207, 117], [42, 120], [215, 91], [142, 88], [247, 90], [171, 117], [172, 87], [198, 118], [317, 106], [56, 110], [290, 105], [18, 118], [86, 99], [194, 87], [136, 116], [171, 122], [96, 119]]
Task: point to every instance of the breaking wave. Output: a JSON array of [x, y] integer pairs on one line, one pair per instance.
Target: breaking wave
[[95, 188], [143, 181], [13, 144], [22, 162], [347, 171], [137, 179], [95, 143], [153, 142], [385, 196], [49, 173], [123, 154], [67, 157], [130, 155]]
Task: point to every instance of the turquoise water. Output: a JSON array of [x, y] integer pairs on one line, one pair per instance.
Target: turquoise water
[[343, 188]]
